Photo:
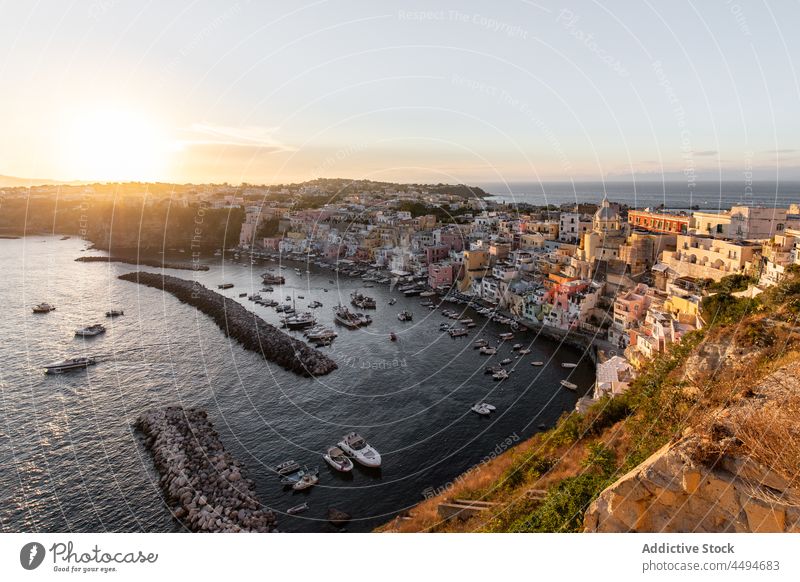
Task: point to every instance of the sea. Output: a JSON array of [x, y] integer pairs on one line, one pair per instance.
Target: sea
[[674, 195], [73, 462]]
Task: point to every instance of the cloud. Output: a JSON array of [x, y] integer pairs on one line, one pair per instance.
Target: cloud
[[251, 136]]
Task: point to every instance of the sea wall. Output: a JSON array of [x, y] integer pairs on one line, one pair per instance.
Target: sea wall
[[244, 326], [143, 262], [205, 486]]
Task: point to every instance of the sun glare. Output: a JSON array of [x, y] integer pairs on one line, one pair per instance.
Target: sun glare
[[115, 145]]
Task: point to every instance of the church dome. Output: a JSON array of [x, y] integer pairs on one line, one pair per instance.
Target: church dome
[[606, 213]]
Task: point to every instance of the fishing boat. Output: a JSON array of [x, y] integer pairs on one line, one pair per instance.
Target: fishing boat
[[300, 321], [569, 365], [356, 447], [569, 385], [90, 330], [114, 313], [270, 279], [362, 301], [307, 480], [336, 458], [345, 317], [69, 364], [43, 308]]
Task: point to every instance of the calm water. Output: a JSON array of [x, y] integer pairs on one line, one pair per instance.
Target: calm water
[[709, 196], [72, 462]]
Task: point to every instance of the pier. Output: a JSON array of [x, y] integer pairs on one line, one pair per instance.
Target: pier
[[205, 486], [252, 332]]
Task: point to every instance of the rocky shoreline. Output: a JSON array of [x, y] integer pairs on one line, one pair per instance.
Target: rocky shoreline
[[244, 326], [205, 486], [139, 261]]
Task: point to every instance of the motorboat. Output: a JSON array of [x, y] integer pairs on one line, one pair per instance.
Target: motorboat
[[405, 316], [307, 480], [460, 332], [569, 385], [500, 375], [492, 369], [481, 343], [516, 347], [43, 308], [569, 365], [506, 336], [90, 330], [356, 447], [224, 285], [69, 364], [336, 458], [300, 321], [505, 361], [524, 351], [537, 363], [297, 509], [488, 351], [483, 409], [114, 313], [254, 297], [362, 301], [393, 336]]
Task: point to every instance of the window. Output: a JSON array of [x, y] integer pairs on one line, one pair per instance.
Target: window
[[719, 229]]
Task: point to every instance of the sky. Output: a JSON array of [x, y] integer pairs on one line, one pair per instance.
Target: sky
[[273, 92]]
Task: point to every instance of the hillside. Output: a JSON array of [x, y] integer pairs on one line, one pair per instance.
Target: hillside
[[706, 439]]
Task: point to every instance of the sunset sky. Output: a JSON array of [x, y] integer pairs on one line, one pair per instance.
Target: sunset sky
[[462, 92]]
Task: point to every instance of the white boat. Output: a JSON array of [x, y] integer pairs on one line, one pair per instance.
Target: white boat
[[569, 365], [297, 509], [516, 347], [481, 343], [505, 361], [336, 458], [524, 351], [537, 363], [488, 351], [569, 385], [356, 447], [500, 375], [90, 330], [506, 336], [307, 480], [483, 409], [405, 316], [69, 364], [43, 308]]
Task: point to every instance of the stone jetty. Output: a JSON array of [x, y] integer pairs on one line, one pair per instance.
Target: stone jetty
[[242, 325], [205, 486], [143, 262]]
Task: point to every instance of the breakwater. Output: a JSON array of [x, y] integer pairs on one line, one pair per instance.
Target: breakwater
[[205, 486], [144, 262], [244, 326]]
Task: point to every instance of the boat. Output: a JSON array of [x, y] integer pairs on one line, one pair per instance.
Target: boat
[[349, 319], [569, 385], [356, 447], [297, 509], [506, 336], [500, 375], [488, 351], [568, 365], [300, 321], [224, 285], [43, 308], [336, 458], [270, 279], [458, 332], [114, 313], [243, 294], [483, 408], [505, 361], [393, 336], [90, 330], [254, 297], [524, 351], [481, 343], [69, 364], [471, 325], [405, 316], [307, 480], [362, 301], [516, 347], [492, 369], [537, 363], [427, 294]]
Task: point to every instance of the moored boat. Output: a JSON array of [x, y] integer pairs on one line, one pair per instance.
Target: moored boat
[[356, 447], [114, 313], [569, 365], [90, 330], [336, 458], [569, 385], [43, 308], [69, 364]]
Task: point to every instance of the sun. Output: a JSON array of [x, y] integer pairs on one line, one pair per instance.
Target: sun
[[115, 145]]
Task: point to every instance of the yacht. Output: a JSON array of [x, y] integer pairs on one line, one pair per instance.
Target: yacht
[[69, 364], [355, 446], [114, 313], [405, 316], [336, 458], [43, 308], [90, 330], [483, 409]]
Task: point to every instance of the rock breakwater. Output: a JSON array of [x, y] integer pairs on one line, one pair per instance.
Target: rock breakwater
[[244, 326], [206, 487]]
